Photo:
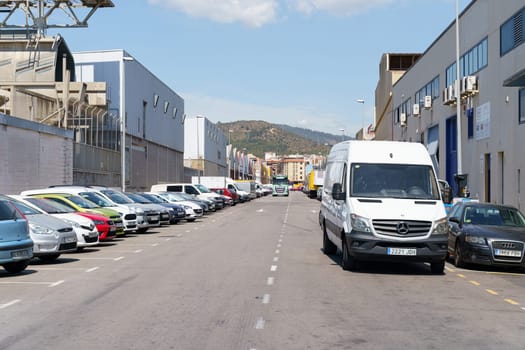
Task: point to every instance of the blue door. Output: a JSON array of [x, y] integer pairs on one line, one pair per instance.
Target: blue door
[[451, 153]]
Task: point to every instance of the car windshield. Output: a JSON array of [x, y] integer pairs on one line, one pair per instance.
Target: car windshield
[[186, 196], [202, 188], [138, 198], [495, 216], [25, 209], [83, 203], [117, 197], [172, 197], [50, 206], [97, 199], [393, 181], [153, 198]]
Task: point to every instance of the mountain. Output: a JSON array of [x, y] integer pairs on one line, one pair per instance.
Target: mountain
[[260, 136]]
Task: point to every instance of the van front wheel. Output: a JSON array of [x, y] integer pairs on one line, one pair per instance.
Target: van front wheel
[[437, 268], [348, 262]]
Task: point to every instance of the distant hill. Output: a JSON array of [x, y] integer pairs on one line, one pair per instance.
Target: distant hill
[[260, 136]]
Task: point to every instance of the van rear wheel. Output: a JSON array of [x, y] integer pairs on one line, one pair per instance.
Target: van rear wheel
[[16, 267], [348, 262]]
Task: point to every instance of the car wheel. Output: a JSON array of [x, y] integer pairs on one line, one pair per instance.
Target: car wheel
[[437, 268], [16, 267], [328, 247], [348, 262], [142, 230], [190, 220], [458, 257], [80, 249], [49, 258]]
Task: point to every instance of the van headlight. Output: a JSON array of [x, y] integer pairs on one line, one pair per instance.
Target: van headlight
[[360, 223], [441, 227]]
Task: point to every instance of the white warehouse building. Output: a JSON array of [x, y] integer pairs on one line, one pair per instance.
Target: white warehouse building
[[492, 107], [204, 147], [152, 111]]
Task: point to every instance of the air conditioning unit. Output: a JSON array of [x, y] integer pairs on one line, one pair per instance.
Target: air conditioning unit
[[445, 96], [415, 109], [469, 85], [428, 102], [403, 119]]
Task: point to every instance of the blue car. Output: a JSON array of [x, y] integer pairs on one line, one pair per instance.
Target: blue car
[[16, 246]]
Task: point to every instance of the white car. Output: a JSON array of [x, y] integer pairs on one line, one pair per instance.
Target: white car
[[172, 198], [85, 230]]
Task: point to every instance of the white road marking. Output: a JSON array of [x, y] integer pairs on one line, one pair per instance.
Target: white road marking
[[119, 258], [92, 269], [82, 258], [266, 299], [270, 281], [138, 251], [276, 258], [31, 283], [273, 268], [277, 251], [280, 240], [279, 245], [57, 283], [154, 244], [260, 210], [260, 323], [3, 306]]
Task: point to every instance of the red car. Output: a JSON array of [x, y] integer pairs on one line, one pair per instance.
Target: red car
[[226, 192], [106, 228]]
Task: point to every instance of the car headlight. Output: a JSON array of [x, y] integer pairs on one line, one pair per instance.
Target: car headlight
[[360, 223], [187, 207], [476, 240], [441, 227], [41, 230], [139, 210]]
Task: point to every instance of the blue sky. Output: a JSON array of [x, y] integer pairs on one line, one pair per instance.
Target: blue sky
[[297, 62]]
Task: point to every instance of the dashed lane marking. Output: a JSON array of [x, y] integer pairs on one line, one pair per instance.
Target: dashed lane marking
[[475, 283], [11, 303], [273, 268], [260, 323], [266, 299], [512, 302], [270, 281], [57, 283], [276, 258], [92, 269], [490, 291]]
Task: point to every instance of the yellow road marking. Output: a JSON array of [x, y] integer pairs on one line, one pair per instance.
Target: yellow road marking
[[490, 291], [510, 301], [474, 283], [461, 275]]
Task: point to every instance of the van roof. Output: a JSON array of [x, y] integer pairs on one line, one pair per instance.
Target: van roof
[[395, 152]]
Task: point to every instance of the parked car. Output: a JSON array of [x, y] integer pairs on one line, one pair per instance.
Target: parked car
[[16, 245], [146, 217], [232, 194], [178, 211], [486, 234], [112, 226], [193, 210], [51, 236], [166, 214], [128, 214], [85, 229]]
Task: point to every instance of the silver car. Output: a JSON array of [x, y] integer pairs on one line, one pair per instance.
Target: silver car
[[51, 236]]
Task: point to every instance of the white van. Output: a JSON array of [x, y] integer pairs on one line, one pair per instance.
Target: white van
[[381, 201]]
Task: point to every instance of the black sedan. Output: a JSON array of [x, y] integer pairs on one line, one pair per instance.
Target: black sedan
[[486, 234]]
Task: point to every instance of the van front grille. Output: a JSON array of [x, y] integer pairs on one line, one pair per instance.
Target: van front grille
[[402, 228]]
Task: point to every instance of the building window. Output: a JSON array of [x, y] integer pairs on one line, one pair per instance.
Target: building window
[[470, 63], [155, 100], [166, 106], [522, 106], [512, 33]]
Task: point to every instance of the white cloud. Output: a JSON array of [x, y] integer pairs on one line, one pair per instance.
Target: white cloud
[[254, 13], [221, 110], [337, 7]]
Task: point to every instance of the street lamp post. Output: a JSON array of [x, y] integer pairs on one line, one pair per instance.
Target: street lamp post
[[362, 102], [123, 120], [342, 134], [230, 152]]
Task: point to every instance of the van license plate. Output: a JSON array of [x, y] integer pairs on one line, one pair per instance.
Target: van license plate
[[401, 251]]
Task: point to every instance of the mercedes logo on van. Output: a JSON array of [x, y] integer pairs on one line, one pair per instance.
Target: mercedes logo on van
[[402, 228]]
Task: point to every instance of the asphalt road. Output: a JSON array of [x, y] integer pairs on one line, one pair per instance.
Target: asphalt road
[[253, 277]]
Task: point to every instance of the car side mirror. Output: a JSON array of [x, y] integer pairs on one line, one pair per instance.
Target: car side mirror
[[455, 220], [337, 192]]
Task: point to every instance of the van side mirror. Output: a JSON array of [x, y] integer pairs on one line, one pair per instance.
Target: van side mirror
[[455, 220], [337, 192]]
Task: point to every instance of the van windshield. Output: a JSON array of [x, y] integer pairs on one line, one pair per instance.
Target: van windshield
[[393, 181]]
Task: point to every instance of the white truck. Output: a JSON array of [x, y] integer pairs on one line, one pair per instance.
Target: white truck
[[381, 201]]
